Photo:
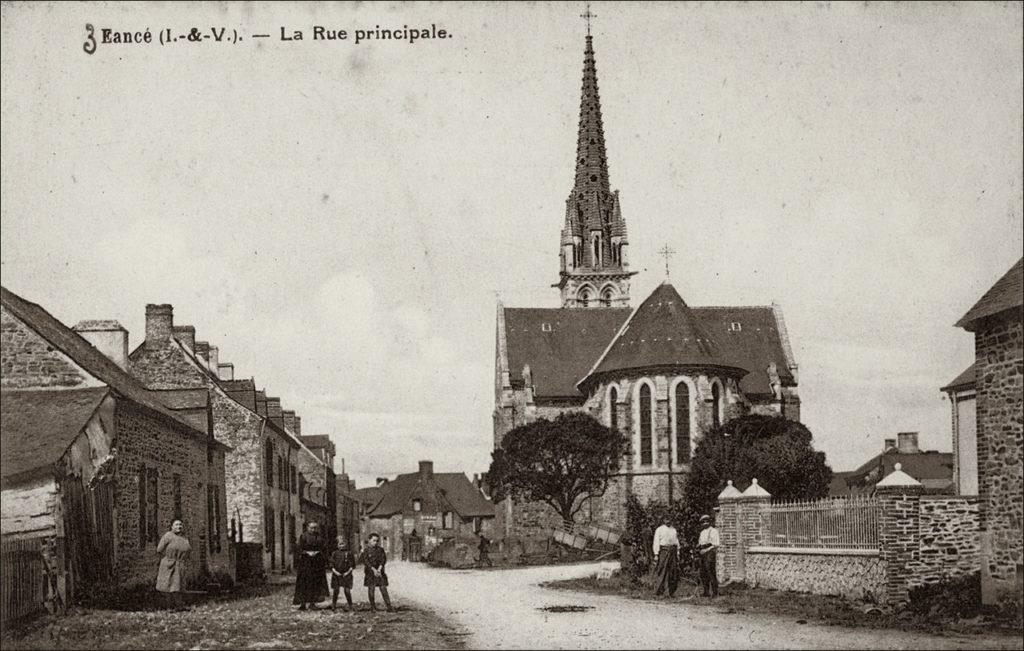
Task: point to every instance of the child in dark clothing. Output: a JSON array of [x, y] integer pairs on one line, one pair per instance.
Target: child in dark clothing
[[374, 575], [343, 563]]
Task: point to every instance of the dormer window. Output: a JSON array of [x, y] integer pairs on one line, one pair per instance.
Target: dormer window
[[417, 505], [545, 327], [735, 326]]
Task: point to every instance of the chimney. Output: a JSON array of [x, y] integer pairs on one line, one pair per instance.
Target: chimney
[[108, 337], [289, 419], [203, 352], [298, 425], [226, 371], [890, 444], [426, 468], [186, 335], [274, 411], [214, 357], [381, 481], [908, 443], [159, 324]]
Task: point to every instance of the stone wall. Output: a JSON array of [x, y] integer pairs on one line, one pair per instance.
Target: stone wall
[[144, 439], [999, 354], [950, 544], [29, 361], [827, 572]]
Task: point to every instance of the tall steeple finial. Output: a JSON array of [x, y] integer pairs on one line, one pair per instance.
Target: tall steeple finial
[[587, 15], [666, 253]]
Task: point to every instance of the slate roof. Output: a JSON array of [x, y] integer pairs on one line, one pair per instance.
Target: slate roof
[[1006, 294], [931, 468], [437, 492], [368, 496], [83, 353], [562, 345], [963, 381], [37, 426], [663, 331]]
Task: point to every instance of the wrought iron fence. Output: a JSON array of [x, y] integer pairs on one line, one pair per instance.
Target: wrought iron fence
[[844, 523]]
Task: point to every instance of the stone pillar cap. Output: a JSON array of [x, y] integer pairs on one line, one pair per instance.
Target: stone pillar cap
[[897, 478], [729, 492], [755, 491]]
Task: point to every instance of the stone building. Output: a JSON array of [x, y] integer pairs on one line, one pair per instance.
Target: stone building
[[662, 374], [263, 504], [997, 321], [96, 466], [963, 405], [348, 510], [321, 446], [428, 506]]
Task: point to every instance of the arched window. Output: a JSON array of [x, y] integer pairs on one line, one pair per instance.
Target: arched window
[[268, 465], [682, 423], [585, 298], [613, 415], [716, 404], [595, 244], [607, 298], [646, 442]]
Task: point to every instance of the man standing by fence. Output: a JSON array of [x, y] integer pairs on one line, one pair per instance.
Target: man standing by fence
[[707, 546]]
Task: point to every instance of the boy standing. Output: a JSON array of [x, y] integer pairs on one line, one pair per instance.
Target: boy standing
[[343, 563], [374, 574], [707, 545]]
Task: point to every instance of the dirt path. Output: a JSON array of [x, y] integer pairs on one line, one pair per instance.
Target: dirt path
[[500, 609]]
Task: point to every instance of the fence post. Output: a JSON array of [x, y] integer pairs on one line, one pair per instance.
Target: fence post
[[728, 531], [754, 504], [899, 533]]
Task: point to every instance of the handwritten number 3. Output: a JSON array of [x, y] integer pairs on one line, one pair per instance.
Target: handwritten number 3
[[90, 40]]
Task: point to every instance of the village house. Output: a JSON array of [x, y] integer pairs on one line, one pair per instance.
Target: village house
[[95, 467], [963, 405], [323, 449], [348, 509], [997, 321], [933, 470], [418, 511], [263, 502]]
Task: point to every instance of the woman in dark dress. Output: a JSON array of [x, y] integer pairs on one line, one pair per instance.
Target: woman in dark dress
[[310, 569], [374, 575]]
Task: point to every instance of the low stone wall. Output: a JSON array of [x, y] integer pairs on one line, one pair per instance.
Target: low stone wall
[[854, 574], [950, 541]]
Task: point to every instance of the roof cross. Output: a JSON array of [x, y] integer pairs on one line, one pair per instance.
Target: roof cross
[[587, 15], [666, 253]]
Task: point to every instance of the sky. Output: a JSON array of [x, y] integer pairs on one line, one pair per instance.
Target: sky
[[340, 219]]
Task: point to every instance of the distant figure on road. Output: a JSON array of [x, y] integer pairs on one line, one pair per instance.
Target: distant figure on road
[[666, 557], [174, 550], [485, 551], [374, 573], [310, 568], [343, 564], [707, 547]]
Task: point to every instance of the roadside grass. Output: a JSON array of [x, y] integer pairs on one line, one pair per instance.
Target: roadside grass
[[803, 607]]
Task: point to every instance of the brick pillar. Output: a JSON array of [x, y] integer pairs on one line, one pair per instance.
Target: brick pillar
[[753, 503], [728, 531], [899, 535]]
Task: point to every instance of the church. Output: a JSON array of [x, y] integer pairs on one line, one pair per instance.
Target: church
[[662, 373]]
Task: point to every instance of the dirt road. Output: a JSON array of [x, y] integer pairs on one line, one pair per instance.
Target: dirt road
[[502, 609]]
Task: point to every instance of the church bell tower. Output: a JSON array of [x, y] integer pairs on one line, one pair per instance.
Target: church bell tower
[[594, 258]]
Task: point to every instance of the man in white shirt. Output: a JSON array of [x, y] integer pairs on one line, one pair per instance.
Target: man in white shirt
[[707, 545], [666, 557]]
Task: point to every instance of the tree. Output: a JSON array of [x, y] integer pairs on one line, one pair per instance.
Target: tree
[[563, 462], [775, 450]]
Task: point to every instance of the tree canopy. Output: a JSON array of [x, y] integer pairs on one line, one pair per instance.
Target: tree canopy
[[562, 462]]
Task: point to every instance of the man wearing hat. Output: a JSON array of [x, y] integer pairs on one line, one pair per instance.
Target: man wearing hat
[[707, 546]]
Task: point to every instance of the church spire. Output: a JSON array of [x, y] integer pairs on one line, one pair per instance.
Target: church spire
[[594, 263]]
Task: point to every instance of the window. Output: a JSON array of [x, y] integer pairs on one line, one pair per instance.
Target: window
[[478, 524], [269, 462], [716, 405], [177, 496], [417, 505], [607, 298], [142, 507], [447, 520], [585, 298], [682, 423], [613, 415], [213, 523], [735, 326], [291, 530], [282, 476], [268, 519], [646, 442]]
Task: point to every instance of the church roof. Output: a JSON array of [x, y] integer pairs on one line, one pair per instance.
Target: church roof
[[1006, 294], [561, 345], [663, 331]]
